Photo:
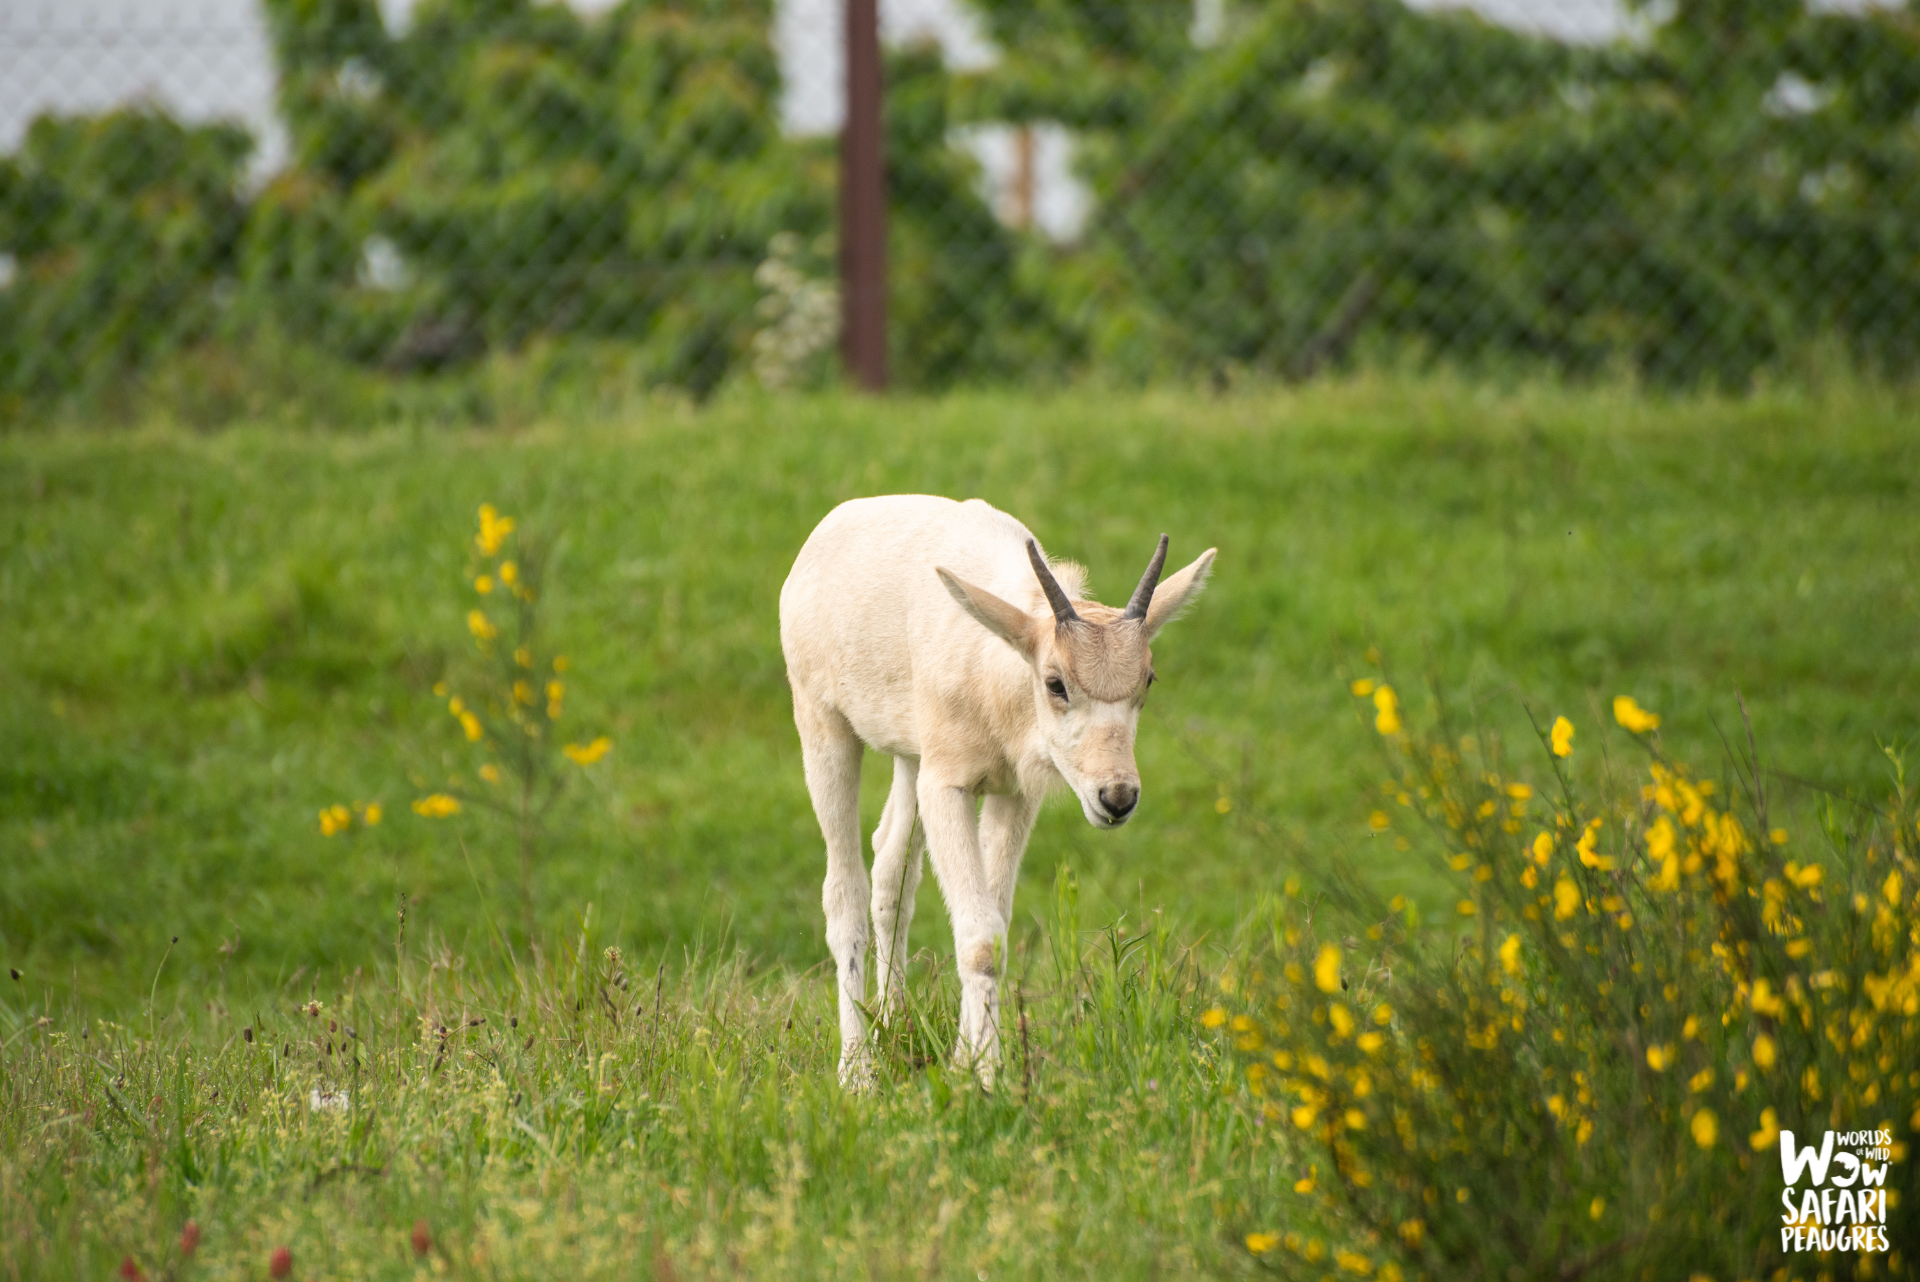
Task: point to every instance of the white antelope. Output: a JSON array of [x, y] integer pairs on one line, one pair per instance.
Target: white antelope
[[938, 633]]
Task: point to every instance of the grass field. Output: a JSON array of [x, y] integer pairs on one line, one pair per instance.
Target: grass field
[[205, 639]]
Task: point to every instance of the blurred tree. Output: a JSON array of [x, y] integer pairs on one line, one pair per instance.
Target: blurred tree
[[121, 228], [1733, 185], [507, 170], [1693, 205], [962, 307]]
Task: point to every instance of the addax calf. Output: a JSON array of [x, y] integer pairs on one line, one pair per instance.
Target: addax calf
[[938, 632]]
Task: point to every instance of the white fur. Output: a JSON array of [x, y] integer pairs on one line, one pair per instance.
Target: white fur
[[881, 650]]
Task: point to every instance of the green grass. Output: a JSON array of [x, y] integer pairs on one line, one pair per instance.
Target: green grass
[[207, 638], [204, 639], [568, 1118]]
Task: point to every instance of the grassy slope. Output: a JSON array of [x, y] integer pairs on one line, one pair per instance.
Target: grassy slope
[[205, 639]]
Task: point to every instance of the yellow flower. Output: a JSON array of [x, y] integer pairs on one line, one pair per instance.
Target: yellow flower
[[1658, 1057], [1383, 1014], [1326, 969], [585, 754], [1566, 899], [1765, 1001], [509, 573], [523, 656], [1341, 1018], [522, 693], [494, 530], [437, 806], [483, 584], [1668, 878], [1353, 1262], [1778, 836], [490, 772], [1304, 1184], [1412, 1232], [1584, 848], [1635, 718], [1543, 848], [1361, 688], [1562, 736], [1769, 1133], [1261, 1243], [1378, 820], [1764, 1051], [1598, 1208], [329, 825], [471, 724], [1370, 1042], [1465, 908], [1690, 1029], [1706, 1128], [1213, 1018], [1805, 878], [1891, 889], [1510, 955], [481, 626], [1700, 1081], [1519, 791], [554, 691], [1387, 705], [370, 814]]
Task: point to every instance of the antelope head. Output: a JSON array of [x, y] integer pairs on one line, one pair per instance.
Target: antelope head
[[1091, 667]]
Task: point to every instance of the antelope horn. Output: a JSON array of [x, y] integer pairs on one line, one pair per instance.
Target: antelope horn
[[1143, 595], [1062, 608]]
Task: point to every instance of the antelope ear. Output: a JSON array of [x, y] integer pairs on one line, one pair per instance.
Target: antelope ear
[[1007, 621], [1176, 594]]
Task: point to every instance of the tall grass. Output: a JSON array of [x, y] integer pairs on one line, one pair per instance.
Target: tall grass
[[557, 1113]]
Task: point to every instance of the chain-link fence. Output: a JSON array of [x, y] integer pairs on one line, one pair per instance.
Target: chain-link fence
[[644, 194]]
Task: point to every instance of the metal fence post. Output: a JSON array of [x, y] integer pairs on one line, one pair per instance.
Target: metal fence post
[[863, 205]]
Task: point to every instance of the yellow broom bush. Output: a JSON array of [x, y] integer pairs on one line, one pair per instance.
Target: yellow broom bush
[[515, 688], [1587, 1067]]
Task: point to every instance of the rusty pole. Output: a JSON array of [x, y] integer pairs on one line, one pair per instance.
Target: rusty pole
[[863, 206]]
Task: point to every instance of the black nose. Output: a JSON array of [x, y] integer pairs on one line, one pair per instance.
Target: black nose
[[1120, 799]]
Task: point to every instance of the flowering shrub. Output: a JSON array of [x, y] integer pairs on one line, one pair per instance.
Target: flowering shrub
[[1590, 1066], [800, 305], [515, 697], [338, 818]]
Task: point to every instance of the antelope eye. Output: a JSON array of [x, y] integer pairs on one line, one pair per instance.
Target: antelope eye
[[1056, 687]]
